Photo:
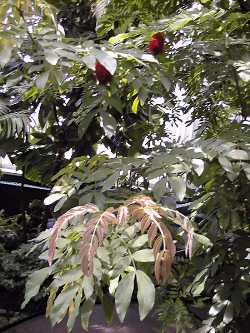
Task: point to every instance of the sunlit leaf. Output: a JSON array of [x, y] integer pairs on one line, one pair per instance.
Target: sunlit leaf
[[135, 105], [178, 185], [146, 255], [86, 311], [51, 57], [237, 154], [145, 294], [140, 241], [123, 295], [34, 283], [62, 303], [42, 80], [106, 60], [53, 198], [88, 286]]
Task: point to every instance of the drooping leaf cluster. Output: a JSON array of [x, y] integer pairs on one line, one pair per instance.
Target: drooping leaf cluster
[[89, 250]]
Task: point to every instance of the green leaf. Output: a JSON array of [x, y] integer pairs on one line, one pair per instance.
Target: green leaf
[[86, 311], [60, 203], [108, 308], [90, 61], [113, 284], [203, 240], [5, 51], [178, 185], [229, 313], [110, 181], [165, 82], [61, 304], [225, 163], [53, 198], [44, 235], [67, 54], [123, 295], [135, 105], [237, 154], [246, 168], [143, 95], [51, 57], [180, 22], [88, 286], [73, 315], [121, 37], [34, 283], [146, 255], [145, 294], [147, 57], [100, 199], [231, 176], [42, 80], [198, 287], [97, 270], [103, 254], [86, 198], [85, 122], [115, 102], [132, 230], [69, 276], [140, 241], [109, 124], [217, 308], [198, 166], [98, 175], [198, 284], [159, 189], [121, 265]]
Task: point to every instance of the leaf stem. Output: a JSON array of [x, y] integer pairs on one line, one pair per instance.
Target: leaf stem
[[26, 24], [129, 252]]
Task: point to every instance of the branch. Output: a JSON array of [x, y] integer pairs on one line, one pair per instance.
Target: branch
[[240, 96], [26, 24]]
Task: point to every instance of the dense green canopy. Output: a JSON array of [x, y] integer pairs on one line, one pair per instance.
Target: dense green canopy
[[53, 109]]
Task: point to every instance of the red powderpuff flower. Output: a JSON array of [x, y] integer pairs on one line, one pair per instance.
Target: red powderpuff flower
[[103, 76], [156, 43]]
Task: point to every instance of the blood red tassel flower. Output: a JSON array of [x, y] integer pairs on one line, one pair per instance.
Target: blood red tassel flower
[[103, 76], [156, 43]]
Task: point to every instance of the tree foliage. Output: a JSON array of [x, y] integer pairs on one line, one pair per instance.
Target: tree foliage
[[77, 75]]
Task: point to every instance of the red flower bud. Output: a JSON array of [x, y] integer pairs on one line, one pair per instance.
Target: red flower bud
[[103, 76], [156, 43]]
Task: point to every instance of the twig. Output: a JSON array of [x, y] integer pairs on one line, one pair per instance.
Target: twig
[[26, 23]]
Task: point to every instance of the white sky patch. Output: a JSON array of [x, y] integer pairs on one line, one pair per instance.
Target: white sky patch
[[181, 132], [27, 58], [101, 149], [66, 100], [179, 92], [158, 101], [34, 118], [182, 43], [7, 167], [60, 120], [68, 154], [196, 5]]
